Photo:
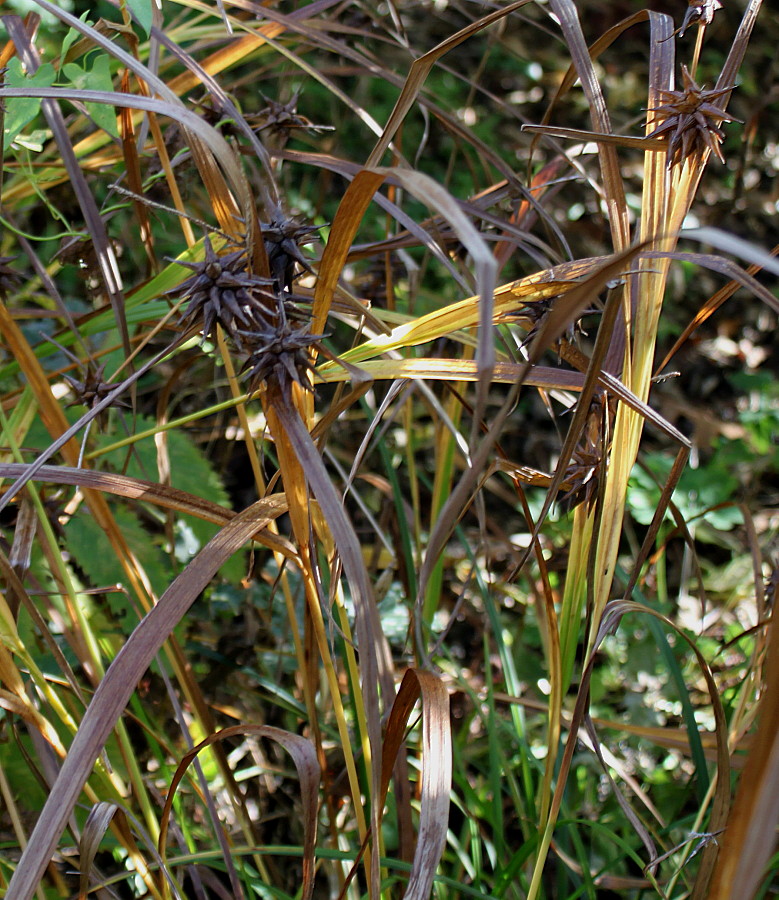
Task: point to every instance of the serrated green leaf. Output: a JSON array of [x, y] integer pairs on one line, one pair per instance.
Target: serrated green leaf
[[92, 552], [190, 471]]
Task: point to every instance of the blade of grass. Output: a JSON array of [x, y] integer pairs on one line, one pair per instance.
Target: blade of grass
[[147, 491], [420, 69], [118, 684], [107, 262], [436, 770], [614, 612], [375, 661], [750, 836], [303, 755], [568, 17]]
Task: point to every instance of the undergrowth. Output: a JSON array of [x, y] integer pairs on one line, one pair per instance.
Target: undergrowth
[[387, 472]]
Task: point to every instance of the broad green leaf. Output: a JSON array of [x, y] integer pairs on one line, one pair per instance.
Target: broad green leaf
[[71, 37], [98, 78], [20, 111], [190, 471], [142, 9], [699, 494], [93, 554]]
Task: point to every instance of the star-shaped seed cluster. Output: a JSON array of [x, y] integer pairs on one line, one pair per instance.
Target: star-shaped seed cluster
[[252, 310], [691, 121]]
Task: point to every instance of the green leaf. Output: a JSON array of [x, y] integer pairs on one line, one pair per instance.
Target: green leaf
[[20, 111], [98, 78], [697, 495], [190, 471], [71, 37], [16, 770], [94, 555], [143, 12]]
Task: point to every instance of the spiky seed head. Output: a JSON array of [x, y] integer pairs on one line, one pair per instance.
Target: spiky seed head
[[584, 472], [222, 290], [691, 121], [92, 390], [283, 353], [583, 475], [283, 238], [282, 118]]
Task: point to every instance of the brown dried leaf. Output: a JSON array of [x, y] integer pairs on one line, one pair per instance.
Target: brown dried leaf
[[304, 756], [750, 835], [436, 771]]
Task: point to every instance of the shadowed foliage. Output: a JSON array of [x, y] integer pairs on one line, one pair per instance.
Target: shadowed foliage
[[387, 476]]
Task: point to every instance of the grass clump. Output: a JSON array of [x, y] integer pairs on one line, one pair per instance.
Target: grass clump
[[359, 537]]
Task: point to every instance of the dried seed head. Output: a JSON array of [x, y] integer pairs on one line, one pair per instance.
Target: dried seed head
[[222, 290], [277, 118], [283, 117], [538, 312], [92, 390], [586, 466], [283, 238], [691, 121], [699, 12], [583, 474], [281, 352], [215, 111]]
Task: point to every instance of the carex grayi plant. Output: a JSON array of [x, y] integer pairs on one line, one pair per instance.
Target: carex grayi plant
[[351, 593]]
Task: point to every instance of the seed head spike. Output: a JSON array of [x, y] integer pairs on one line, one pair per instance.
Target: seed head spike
[[699, 12], [221, 289], [691, 120]]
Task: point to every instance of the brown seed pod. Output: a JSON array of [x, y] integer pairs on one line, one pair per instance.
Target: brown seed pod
[[691, 121], [223, 290], [281, 352]]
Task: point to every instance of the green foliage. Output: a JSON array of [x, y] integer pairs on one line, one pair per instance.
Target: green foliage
[[699, 495], [190, 471], [760, 418], [143, 11], [91, 551], [20, 111], [95, 78]]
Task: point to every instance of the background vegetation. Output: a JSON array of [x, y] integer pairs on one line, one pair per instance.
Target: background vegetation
[[388, 449]]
